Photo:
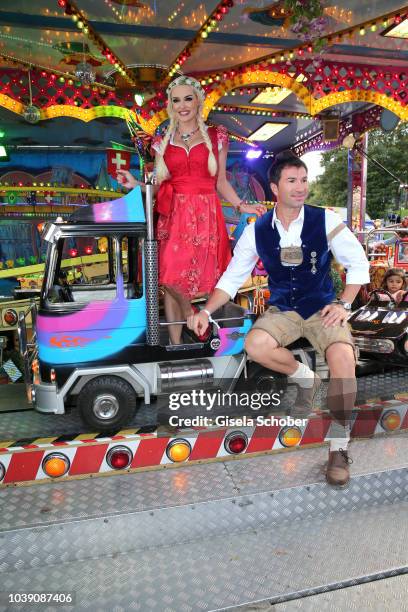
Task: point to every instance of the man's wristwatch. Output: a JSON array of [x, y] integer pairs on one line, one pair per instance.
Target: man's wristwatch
[[346, 305]]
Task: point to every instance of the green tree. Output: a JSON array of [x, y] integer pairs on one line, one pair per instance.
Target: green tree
[[383, 193], [330, 188]]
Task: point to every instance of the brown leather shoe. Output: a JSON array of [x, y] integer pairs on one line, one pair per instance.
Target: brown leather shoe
[[338, 470], [304, 399]]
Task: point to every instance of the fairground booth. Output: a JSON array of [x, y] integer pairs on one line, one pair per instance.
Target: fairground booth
[[91, 381]]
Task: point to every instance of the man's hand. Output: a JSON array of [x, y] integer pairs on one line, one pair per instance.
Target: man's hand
[[334, 314], [198, 323]]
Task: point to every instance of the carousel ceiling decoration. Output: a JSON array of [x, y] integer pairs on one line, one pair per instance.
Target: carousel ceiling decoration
[[399, 29], [76, 52], [210, 24], [313, 138], [240, 109], [271, 95], [132, 3], [63, 77], [303, 17], [82, 23], [300, 51], [98, 42], [125, 12], [84, 73], [31, 113], [275, 14], [267, 131]]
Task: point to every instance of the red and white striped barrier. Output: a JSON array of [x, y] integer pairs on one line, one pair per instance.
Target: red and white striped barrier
[[26, 461]]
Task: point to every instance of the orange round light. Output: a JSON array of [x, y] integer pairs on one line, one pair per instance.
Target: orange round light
[[391, 420], [178, 450], [55, 465], [290, 436]]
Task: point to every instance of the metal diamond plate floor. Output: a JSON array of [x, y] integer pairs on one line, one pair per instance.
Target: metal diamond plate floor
[[383, 595], [228, 570], [38, 505], [208, 537]]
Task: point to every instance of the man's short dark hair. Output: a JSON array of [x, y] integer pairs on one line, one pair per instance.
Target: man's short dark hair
[[284, 160]]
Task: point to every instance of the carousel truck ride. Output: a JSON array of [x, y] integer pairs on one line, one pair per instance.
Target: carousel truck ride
[[100, 342]]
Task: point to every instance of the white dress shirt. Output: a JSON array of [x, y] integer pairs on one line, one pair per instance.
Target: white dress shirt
[[344, 246]]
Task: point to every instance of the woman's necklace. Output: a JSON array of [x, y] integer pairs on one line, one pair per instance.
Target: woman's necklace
[[186, 137]]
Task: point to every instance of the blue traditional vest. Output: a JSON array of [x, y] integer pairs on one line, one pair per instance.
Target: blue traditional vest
[[305, 288]]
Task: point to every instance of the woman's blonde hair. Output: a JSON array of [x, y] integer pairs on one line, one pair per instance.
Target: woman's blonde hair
[[162, 172]]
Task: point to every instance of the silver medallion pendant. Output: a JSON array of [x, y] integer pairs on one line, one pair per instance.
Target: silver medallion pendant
[[313, 261]]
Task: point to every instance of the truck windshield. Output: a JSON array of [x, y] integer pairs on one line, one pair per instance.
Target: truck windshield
[[89, 269]]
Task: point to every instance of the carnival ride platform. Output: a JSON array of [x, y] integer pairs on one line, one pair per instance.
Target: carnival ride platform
[[256, 533], [20, 422], [251, 531]]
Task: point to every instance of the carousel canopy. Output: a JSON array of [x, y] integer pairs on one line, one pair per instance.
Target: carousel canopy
[[277, 74]]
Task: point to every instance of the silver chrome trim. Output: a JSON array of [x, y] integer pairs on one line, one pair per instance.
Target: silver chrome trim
[[28, 350], [374, 345]]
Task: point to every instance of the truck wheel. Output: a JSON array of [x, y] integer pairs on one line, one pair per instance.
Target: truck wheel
[[107, 403]]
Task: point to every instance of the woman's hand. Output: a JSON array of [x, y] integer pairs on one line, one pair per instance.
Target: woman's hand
[[198, 323], [126, 179], [253, 209]]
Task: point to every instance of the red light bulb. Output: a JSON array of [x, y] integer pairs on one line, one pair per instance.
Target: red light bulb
[[237, 445]]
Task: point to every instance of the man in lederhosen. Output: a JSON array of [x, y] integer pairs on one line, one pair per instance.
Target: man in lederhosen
[[296, 243]]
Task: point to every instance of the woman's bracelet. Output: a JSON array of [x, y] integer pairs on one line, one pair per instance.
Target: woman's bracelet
[[238, 206], [210, 319]]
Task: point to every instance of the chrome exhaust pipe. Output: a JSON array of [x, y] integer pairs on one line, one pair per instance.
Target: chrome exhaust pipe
[[185, 374], [151, 273]]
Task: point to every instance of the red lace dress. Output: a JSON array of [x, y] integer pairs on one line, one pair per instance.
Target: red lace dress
[[194, 249]]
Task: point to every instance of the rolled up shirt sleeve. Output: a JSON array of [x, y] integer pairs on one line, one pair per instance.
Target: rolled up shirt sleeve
[[347, 250], [242, 263]]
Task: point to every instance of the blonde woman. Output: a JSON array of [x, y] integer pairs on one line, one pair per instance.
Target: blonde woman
[[190, 168]]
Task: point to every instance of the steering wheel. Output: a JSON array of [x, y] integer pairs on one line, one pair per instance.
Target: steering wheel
[[375, 292], [66, 292]]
